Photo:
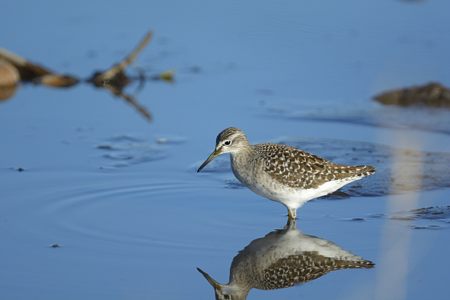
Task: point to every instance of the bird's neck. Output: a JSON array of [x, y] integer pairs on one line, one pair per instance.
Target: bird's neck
[[239, 159], [243, 152]]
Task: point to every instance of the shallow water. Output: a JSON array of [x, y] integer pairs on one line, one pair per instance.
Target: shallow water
[[96, 202]]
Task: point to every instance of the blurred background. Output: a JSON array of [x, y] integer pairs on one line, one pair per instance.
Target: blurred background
[[99, 198]]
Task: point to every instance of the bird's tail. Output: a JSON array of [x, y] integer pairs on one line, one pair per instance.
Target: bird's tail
[[354, 171], [364, 170], [350, 264]]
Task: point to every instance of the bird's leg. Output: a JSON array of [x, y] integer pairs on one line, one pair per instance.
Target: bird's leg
[[291, 224], [292, 213]]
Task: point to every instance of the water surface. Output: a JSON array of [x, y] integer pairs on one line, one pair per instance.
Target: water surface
[[119, 196]]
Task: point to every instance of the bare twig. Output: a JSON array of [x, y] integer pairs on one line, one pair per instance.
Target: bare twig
[[116, 75], [130, 100]]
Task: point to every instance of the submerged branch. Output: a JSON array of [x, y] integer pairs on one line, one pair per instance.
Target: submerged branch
[[116, 74], [31, 72], [14, 68], [130, 100]]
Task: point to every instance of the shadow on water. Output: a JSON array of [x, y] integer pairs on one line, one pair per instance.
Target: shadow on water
[[281, 259], [15, 69]]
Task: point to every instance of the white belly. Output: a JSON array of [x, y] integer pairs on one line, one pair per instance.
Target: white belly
[[267, 187]]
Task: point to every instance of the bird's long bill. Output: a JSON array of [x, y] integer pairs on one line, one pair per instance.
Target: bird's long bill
[[209, 159], [211, 281]]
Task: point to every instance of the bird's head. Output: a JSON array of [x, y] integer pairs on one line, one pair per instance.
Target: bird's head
[[225, 291], [230, 140]]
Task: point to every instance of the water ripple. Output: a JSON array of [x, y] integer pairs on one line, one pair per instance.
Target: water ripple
[[136, 214], [126, 150], [431, 217], [426, 119]]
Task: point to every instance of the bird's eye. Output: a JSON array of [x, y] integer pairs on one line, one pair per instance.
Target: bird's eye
[[227, 143]]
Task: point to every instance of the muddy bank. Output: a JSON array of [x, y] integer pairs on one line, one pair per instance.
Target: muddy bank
[[432, 95]]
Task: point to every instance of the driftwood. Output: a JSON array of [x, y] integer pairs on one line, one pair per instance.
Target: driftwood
[[9, 78], [115, 75], [115, 79], [8, 74], [432, 94], [31, 72], [15, 69]]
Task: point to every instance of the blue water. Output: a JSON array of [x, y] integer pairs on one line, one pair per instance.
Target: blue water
[[120, 195]]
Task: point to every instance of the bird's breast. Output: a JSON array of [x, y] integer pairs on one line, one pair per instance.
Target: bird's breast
[[251, 173], [243, 169]]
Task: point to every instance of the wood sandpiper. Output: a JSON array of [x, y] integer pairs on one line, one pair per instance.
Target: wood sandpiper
[[282, 173], [281, 259]]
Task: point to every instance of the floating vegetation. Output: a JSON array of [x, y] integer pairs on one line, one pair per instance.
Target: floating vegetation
[[15, 69], [168, 76]]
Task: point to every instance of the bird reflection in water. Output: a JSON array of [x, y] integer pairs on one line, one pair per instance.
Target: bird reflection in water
[[281, 259]]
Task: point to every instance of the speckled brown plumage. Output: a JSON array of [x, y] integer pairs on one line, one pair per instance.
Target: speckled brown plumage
[[298, 169], [282, 173], [297, 269]]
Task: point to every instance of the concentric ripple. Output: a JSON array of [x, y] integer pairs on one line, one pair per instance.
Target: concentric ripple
[[126, 150], [119, 212]]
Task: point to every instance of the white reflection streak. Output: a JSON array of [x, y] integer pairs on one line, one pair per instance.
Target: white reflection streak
[[396, 242]]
